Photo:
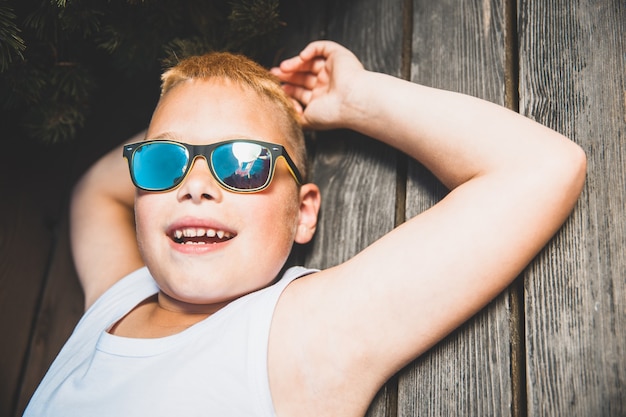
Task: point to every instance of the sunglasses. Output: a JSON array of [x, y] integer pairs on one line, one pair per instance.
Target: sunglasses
[[239, 165]]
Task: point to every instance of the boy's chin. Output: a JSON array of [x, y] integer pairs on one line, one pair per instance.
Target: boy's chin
[[208, 288]]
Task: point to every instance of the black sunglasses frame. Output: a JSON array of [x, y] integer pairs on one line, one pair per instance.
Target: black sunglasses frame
[[206, 151]]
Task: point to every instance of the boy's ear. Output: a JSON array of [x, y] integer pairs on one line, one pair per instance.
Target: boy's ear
[[310, 200]]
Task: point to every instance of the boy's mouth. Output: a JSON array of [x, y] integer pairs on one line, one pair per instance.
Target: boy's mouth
[[200, 236]]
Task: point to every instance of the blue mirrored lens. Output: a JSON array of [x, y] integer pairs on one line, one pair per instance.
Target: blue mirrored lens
[[242, 165], [159, 166]]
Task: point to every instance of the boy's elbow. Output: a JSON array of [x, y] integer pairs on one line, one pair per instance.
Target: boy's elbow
[[571, 172], [578, 163]]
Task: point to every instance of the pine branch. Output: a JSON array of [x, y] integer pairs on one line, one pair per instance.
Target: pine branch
[[66, 48], [179, 48], [11, 43], [254, 25]]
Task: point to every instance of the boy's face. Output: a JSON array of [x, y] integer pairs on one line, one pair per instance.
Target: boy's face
[[254, 231]]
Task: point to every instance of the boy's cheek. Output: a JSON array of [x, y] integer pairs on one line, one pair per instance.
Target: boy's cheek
[[146, 216]]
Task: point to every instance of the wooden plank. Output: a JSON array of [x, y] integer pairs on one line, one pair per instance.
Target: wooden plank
[[305, 21], [372, 30], [28, 206], [459, 46], [21, 277], [357, 178], [357, 175], [573, 78], [60, 311]]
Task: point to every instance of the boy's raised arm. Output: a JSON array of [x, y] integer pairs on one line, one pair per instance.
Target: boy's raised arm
[[102, 227], [513, 182]]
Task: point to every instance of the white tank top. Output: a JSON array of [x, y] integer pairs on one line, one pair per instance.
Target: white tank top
[[217, 367]]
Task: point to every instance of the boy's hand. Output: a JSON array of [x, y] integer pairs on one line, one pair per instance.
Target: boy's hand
[[322, 80]]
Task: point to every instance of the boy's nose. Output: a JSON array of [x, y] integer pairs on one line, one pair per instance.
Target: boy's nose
[[199, 184]]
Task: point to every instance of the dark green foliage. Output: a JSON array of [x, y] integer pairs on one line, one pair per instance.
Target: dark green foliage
[[12, 44], [57, 55]]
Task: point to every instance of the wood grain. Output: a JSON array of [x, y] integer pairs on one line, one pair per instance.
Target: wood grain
[[305, 21], [29, 175], [459, 46], [61, 308], [573, 78], [20, 282], [357, 175]]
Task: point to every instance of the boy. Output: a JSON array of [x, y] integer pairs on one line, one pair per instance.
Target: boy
[[212, 329]]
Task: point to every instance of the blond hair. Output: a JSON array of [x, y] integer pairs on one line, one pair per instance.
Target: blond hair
[[248, 74]]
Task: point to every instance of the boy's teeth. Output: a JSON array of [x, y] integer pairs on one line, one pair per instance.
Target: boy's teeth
[[200, 232]]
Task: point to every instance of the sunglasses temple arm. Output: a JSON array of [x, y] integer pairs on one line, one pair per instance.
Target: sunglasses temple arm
[[292, 168]]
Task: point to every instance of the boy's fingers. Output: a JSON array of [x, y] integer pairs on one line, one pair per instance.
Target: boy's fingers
[[311, 59], [318, 49], [305, 80], [302, 95], [297, 105], [295, 64], [317, 65]]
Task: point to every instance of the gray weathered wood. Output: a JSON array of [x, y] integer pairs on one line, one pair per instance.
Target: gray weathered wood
[[357, 175], [459, 46], [305, 22], [573, 78]]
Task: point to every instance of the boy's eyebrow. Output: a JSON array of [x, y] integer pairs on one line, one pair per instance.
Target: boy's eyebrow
[[165, 135], [177, 138]]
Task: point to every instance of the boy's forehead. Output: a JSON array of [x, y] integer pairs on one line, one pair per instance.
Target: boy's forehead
[[215, 109]]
